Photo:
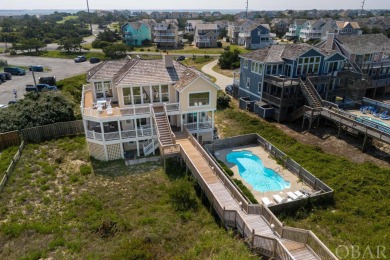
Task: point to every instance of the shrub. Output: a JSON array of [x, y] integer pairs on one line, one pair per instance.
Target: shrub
[[182, 197], [225, 168], [142, 49], [85, 169], [219, 44], [246, 191], [100, 44], [13, 52], [229, 60], [223, 100]]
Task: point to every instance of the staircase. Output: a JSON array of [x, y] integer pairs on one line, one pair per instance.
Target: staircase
[[150, 146], [163, 128], [311, 94], [296, 114]]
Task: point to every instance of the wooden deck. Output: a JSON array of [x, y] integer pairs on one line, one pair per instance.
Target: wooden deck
[[254, 222]]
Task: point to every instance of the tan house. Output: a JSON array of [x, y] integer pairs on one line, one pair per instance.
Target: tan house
[[130, 107], [206, 35]]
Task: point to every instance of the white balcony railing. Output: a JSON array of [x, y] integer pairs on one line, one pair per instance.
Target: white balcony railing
[[199, 126], [111, 136], [173, 107], [163, 40], [203, 40], [163, 34]]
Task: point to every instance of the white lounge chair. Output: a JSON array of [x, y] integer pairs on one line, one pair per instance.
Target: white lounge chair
[[279, 199], [267, 202], [299, 194], [99, 107], [291, 195], [109, 110]]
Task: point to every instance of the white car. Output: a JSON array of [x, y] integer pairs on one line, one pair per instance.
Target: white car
[[3, 106]]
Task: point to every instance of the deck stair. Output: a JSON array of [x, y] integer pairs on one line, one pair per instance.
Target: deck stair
[[164, 131], [150, 146], [311, 94]]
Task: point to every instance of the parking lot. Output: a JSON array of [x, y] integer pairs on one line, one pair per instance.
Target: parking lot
[[60, 68]]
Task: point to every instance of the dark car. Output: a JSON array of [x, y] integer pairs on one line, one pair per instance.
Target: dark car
[[229, 89], [15, 71], [37, 68], [40, 88], [8, 75], [180, 58], [3, 78], [12, 102], [80, 59], [48, 80], [94, 60]]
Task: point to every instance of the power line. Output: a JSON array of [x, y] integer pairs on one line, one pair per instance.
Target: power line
[[246, 10]]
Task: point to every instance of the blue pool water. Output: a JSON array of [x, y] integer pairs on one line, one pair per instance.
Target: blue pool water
[[252, 170], [377, 121]]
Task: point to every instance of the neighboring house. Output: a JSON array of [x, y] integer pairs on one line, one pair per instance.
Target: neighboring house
[[136, 33], [166, 34], [190, 26], [269, 77], [125, 99], [237, 27], [206, 35], [344, 28], [216, 14], [369, 55], [256, 37], [294, 29], [314, 30], [280, 25]]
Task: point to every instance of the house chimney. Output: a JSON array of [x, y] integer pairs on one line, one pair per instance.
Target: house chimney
[[168, 61], [329, 41]]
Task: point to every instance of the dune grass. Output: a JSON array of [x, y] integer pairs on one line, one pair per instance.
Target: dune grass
[[60, 204], [360, 214]]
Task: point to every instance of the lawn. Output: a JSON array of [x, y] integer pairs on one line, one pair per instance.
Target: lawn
[[228, 73], [198, 63], [67, 18], [360, 214], [6, 158], [59, 204], [71, 55]]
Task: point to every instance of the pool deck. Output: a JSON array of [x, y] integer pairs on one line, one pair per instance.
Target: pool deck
[[269, 162], [359, 113]]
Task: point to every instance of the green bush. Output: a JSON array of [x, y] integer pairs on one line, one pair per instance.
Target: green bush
[[85, 169], [182, 196], [100, 44], [223, 100], [73, 86], [219, 44], [225, 168], [246, 191], [229, 60]]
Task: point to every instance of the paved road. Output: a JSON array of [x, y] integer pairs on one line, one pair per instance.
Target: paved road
[[61, 68], [222, 80]]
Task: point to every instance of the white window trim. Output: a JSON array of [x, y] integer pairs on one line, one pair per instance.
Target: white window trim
[[248, 82], [260, 87], [246, 63], [202, 103]]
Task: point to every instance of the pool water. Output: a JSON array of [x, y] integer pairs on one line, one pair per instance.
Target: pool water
[[379, 122], [252, 170]]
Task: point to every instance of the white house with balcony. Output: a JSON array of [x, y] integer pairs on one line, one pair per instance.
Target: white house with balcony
[[166, 34], [206, 35], [315, 30], [131, 107]]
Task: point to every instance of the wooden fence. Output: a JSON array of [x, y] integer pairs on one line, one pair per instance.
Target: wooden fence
[[9, 139], [11, 167], [52, 131]]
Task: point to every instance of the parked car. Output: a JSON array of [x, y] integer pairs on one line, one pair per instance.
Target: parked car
[[3, 106], [8, 75], [47, 80], [37, 68], [40, 88], [80, 59], [11, 102], [180, 58], [229, 89], [15, 71], [94, 60], [3, 78]]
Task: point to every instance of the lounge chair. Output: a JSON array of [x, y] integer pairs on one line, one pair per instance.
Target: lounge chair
[[291, 195], [279, 199], [384, 115], [109, 110], [99, 107], [267, 202], [309, 192], [299, 194]]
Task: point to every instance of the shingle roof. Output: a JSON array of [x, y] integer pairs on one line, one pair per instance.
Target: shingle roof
[[277, 53], [188, 76], [206, 26], [107, 69], [300, 21], [364, 43]]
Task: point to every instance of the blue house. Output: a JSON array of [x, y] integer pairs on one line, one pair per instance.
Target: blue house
[[256, 36], [271, 78], [136, 33]]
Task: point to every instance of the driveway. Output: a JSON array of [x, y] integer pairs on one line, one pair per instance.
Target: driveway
[[222, 80], [60, 68]]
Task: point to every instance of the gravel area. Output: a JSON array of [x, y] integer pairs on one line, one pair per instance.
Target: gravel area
[[60, 68]]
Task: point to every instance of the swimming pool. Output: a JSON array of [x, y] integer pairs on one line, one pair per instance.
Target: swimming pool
[[377, 121], [252, 170]]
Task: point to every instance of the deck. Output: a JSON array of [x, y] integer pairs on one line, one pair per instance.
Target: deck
[[253, 224]]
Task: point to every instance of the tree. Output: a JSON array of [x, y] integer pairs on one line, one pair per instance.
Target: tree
[[36, 109], [223, 100], [229, 60], [115, 51], [28, 45], [108, 36], [70, 43]]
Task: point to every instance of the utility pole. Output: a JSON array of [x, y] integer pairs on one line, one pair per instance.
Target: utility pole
[[89, 15], [246, 10], [361, 13]]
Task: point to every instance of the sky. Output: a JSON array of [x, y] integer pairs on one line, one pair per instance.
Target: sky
[[195, 4]]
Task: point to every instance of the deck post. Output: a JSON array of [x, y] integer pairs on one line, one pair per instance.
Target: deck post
[[253, 239], [364, 142], [223, 217], [338, 133]]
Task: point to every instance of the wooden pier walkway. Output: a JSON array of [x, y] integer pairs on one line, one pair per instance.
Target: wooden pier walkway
[[263, 238]]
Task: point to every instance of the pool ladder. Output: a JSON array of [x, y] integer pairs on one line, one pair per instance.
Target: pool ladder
[[279, 170]]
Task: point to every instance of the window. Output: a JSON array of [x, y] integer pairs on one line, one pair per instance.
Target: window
[[137, 95], [127, 96], [259, 87], [245, 63], [308, 65], [156, 93], [99, 89], [164, 93], [199, 99], [253, 64], [248, 82], [103, 89]]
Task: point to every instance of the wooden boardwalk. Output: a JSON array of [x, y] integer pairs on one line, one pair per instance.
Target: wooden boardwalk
[[254, 222]]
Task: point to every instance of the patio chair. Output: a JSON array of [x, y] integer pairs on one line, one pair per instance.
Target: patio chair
[[384, 115], [99, 107], [291, 195], [267, 202], [279, 199], [299, 194], [109, 110]]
